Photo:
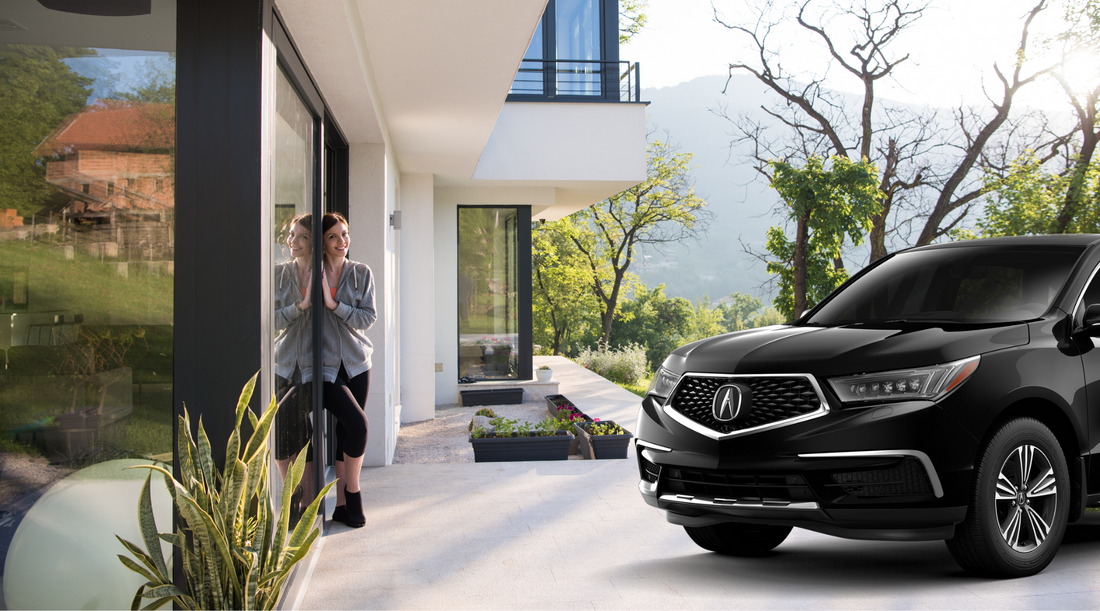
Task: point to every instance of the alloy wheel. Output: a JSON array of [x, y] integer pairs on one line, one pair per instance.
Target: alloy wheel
[[1026, 498]]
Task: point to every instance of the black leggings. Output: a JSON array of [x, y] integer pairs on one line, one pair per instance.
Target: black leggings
[[345, 398]]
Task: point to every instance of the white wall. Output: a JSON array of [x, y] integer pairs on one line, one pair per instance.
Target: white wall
[[371, 199], [418, 299], [446, 301], [566, 142]]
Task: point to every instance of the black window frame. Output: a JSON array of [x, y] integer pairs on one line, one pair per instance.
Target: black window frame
[[525, 369], [609, 56]]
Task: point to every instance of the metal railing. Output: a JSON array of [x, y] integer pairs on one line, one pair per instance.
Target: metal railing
[[578, 79]]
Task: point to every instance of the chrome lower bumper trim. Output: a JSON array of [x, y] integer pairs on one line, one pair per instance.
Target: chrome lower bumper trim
[[653, 446], [929, 468], [720, 502]]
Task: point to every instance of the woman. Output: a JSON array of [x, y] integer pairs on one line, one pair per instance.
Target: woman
[[294, 355], [348, 291]]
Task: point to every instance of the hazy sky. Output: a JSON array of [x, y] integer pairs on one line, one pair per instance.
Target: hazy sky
[[951, 48]]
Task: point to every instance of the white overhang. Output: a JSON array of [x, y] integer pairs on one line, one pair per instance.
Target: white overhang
[[432, 74]]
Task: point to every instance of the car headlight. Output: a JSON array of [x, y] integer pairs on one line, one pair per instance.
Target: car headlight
[[930, 383], [663, 383]]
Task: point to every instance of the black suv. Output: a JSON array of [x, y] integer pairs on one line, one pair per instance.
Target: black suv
[[945, 392]]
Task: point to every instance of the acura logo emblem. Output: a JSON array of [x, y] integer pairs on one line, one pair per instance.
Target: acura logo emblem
[[732, 402]]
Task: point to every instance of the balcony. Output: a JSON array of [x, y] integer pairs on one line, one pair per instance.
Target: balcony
[[570, 80]]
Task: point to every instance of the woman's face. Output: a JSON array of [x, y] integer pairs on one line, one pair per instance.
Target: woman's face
[[298, 240], [337, 241]]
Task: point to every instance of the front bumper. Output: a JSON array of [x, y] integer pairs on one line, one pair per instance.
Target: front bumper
[[896, 472]]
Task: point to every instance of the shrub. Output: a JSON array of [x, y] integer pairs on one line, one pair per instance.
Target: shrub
[[625, 365]]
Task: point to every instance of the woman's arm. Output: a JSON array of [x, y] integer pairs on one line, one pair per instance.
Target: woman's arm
[[362, 316]]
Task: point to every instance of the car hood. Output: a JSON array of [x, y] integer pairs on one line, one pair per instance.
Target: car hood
[[829, 351]]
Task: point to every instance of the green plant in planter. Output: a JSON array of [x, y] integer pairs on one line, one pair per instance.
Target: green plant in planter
[[508, 428], [236, 551], [604, 428], [485, 411], [545, 368]]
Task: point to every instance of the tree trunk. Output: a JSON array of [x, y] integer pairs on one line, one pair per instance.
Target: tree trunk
[[800, 244], [1075, 193]]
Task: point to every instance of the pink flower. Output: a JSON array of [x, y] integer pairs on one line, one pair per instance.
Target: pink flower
[[595, 420]]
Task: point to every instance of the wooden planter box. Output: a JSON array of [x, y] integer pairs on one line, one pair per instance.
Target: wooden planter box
[[602, 446], [492, 396], [509, 449]]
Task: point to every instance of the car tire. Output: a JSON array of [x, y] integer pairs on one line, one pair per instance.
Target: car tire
[[738, 538], [1020, 504]]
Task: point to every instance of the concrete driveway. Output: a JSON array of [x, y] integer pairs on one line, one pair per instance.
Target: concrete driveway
[[577, 535]]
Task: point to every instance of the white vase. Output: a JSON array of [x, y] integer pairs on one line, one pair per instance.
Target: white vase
[[543, 375]]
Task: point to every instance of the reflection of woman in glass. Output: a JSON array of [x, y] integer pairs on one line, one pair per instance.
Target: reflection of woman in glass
[[294, 354], [348, 289]]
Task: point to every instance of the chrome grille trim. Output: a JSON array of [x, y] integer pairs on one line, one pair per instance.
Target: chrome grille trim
[[713, 434], [691, 500]]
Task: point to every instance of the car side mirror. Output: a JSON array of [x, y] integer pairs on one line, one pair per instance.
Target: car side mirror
[[1092, 318]]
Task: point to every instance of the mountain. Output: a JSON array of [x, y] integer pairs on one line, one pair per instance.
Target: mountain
[[687, 115]]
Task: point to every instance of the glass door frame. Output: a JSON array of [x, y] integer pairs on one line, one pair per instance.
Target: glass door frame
[[330, 194]]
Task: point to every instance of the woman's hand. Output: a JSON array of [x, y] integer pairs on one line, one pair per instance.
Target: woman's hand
[[326, 292], [307, 302]]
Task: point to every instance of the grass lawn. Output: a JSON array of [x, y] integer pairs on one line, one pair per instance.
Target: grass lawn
[[638, 388]]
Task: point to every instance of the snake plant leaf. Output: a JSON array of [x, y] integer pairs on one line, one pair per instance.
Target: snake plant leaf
[[294, 477], [149, 526], [163, 591], [246, 396], [209, 541], [183, 449], [206, 459], [136, 604], [157, 604], [258, 441], [252, 587], [175, 539], [140, 570], [154, 574], [231, 498], [305, 523]]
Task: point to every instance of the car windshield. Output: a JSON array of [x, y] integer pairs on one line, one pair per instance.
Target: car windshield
[[968, 285]]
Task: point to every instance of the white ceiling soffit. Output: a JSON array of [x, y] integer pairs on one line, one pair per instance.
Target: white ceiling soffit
[[443, 70], [330, 47]]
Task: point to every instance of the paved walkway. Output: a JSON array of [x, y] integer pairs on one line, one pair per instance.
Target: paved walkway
[[577, 535]]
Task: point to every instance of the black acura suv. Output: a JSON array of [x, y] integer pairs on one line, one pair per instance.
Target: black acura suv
[[945, 392]]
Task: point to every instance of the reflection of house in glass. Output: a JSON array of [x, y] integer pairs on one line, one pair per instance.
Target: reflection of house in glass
[[115, 166]]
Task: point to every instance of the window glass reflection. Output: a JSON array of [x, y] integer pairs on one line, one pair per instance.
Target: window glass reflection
[[578, 38], [292, 188], [87, 251], [487, 299]]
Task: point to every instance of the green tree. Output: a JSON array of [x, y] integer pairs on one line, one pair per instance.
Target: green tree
[[1029, 200], [1081, 45], [632, 18], [740, 311], [826, 205], [37, 92], [564, 308], [660, 210], [655, 321]]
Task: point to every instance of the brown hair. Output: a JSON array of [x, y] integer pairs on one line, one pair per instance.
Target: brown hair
[[330, 219], [305, 220]]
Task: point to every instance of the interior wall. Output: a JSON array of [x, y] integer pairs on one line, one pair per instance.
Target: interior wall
[[418, 300]]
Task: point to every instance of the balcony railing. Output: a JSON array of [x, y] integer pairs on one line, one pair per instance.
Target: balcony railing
[[577, 80]]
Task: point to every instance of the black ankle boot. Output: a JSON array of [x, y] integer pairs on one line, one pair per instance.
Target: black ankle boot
[[355, 517]]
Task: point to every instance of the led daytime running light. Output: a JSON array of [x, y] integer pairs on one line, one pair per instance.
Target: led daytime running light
[[930, 383]]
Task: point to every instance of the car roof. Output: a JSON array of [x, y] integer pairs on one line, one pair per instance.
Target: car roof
[[1067, 239]]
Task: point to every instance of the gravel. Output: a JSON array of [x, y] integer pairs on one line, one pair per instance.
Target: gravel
[[445, 438]]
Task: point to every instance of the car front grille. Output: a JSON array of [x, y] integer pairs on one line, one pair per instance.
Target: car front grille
[[743, 488], [774, 399]]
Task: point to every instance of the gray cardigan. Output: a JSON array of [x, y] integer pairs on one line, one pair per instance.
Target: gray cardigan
[[345, 340]]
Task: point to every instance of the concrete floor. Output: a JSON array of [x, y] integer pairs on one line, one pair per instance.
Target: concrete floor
[[577, 535]]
